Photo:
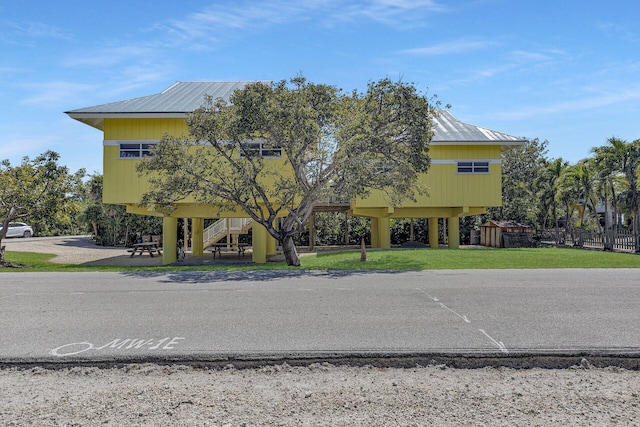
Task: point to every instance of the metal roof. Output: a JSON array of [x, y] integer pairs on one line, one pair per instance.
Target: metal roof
[[176, 101], [184, 97], [448, 130]]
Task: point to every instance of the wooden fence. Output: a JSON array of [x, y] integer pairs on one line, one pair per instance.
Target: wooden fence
[[623, 240]]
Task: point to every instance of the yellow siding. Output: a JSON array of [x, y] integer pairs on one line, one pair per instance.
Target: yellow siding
[[447, 188], [122, 185], [141, 129], [462, 152], [121, 182]]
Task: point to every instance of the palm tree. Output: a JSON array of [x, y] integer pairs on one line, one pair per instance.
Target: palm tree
[[550, 190], [581, 178], [626, 158], [606, 162]]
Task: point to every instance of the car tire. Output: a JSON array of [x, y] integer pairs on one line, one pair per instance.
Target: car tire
[[26, 234]]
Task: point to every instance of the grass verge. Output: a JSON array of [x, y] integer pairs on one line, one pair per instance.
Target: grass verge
[[455, 259], [395, 259]]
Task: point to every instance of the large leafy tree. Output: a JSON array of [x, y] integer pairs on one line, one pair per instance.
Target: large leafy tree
[[522, 171], [333, 143], [112, 224], [36, 188]]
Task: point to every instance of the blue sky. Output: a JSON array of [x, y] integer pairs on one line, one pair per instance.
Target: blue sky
[[563, 71]]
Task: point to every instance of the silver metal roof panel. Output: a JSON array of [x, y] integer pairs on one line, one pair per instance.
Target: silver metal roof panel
[[182, 97], [450, 131], [185, 97], [176, 101]]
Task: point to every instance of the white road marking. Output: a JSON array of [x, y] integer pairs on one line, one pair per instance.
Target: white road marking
[[120, 344], [436, 299], [498, 344]]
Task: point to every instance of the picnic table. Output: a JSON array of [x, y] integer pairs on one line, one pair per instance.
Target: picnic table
[[219, 247], [150, 247]]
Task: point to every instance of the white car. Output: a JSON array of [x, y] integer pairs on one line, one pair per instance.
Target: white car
[[19, 229]]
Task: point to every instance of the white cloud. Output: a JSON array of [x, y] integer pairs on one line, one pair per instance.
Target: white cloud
[[393, 13], [15, 147], [205, 27], [24, 31], [110, 56], [593, 102], [450, 48], [55, 93], [524, 56]]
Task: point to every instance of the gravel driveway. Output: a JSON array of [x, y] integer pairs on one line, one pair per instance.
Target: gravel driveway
[[318, 395], [79, 250]]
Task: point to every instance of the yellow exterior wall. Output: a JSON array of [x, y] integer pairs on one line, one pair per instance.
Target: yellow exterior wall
[[450, 194], [464, 152], [140, 129], [446, 187], [122, 185], [121, 182]]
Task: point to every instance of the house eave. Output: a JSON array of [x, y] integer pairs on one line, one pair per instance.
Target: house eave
[[96, 120]]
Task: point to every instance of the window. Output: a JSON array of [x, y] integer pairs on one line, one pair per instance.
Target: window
[[135, 151], [473, 167], [259, 149]]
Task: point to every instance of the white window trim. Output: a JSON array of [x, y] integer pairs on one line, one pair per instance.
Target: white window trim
[[262, 150], [116, 143], [477, 167], [119, 142], [489, 162]]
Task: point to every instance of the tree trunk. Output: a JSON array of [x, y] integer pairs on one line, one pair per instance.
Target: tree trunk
[[606, 235], [290, 252], [1, 254]]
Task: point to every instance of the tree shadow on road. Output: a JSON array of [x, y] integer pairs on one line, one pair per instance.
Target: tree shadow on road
[[250, 275]]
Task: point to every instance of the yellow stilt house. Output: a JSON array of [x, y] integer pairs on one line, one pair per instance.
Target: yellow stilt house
[[464, 178]]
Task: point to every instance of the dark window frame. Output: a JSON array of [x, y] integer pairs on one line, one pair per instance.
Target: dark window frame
[[473, 167], [135, 150]]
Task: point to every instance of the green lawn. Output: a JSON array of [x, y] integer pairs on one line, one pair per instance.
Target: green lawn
[[395, 259], [454, 259]]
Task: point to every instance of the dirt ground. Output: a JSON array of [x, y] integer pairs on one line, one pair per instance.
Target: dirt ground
[[319, 395]]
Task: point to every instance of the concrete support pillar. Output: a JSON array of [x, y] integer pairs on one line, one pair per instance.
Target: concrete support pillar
[[272, 245], [259, 244], [312, 230], [454, 232], [346, 228], [412, 234], [169, 239], [382, 232], [432, 224], [185, 233], [197, 236], [375, 242]]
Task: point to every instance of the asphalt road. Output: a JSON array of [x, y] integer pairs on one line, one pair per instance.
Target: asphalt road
[[190, 316]]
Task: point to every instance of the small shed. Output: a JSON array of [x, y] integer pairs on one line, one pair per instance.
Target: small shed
[[506, 234]]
